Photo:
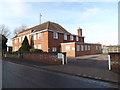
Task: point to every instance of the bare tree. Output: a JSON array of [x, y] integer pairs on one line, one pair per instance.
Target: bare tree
[[19, 29], [4, 30]]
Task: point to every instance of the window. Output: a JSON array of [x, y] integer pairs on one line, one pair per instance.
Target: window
[[39, 46], [68, 48], [16, 48], [54, 49], [89, 47], [34, 46], [19, 39], [78, 47], [71, 37], [85, 47], [82, 48], [77, 39], [34, 37], [28, 37], [65, 36], [39, 35], [96, 47], [15, 40], [23, 38], [99, 47], [55, 35]]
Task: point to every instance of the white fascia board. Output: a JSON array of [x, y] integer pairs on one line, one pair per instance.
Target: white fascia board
[[67, 43], [31, 33]]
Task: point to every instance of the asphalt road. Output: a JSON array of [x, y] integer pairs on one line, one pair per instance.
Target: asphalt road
[[23, 76]]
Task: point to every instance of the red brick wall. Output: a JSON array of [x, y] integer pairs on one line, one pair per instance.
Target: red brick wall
[[42, 57], [115, 61]]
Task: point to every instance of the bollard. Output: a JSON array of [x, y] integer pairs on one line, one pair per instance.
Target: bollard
[[109, 63]]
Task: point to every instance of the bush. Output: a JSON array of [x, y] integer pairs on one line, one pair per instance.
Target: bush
[[36, 50]]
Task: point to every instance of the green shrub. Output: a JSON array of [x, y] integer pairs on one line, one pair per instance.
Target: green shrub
[[25, 46]]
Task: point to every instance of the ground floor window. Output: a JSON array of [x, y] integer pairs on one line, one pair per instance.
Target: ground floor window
[[82, 48], [54, 49], [85, 47], [39, 46], [68, 48], [88, 47], [78, 47]]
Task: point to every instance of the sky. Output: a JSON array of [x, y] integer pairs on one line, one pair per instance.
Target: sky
[[98, 20]]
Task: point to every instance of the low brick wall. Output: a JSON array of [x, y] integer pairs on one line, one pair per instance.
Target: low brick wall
[[115, 60], [42, 57]]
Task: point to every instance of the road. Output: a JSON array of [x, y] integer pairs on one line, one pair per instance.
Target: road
[[23, 76]]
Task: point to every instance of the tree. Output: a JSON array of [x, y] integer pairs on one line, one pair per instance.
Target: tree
[[4, 30], [25, 45], [19, 29]]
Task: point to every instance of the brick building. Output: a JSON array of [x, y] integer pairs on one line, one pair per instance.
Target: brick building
[[51, 37]]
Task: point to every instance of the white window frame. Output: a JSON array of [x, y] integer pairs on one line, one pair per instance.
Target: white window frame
[[54, 49], [86, 48], [39, 35], [71, 37], [19, 39], [34, 37], [82, 47], [34, 46], [78, 48], [96, 47], [39, 46], [55, 35], [15, 40], [67, 48], [28, 37], [77, 38], [65, 36]]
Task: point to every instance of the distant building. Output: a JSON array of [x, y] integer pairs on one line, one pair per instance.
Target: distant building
[[51, 37], [110, 49]]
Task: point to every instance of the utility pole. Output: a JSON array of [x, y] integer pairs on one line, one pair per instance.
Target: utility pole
[[40, 18]]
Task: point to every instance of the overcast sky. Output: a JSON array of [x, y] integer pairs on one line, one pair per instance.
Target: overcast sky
[[99, 20]]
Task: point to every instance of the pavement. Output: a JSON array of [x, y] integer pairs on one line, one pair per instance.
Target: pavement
[[90, 66]]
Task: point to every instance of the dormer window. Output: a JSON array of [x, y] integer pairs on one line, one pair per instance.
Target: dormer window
[[55, 35], [71, 37]]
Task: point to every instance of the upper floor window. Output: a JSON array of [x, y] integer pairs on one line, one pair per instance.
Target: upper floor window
[[55, 35], [15, 40], [28, 37], [19, 39], [77, 38], [34, 37], [39, 35], [65, 36], [71, 37], [23, 38]]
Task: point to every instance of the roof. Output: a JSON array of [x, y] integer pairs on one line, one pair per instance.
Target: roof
[[47, 25]]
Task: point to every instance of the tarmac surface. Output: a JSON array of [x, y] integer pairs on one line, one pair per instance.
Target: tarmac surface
[[90, 66]]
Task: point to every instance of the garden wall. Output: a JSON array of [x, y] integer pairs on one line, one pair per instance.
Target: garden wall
[[42, 57]]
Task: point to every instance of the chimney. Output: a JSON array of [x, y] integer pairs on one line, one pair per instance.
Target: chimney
[[79, 32]]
